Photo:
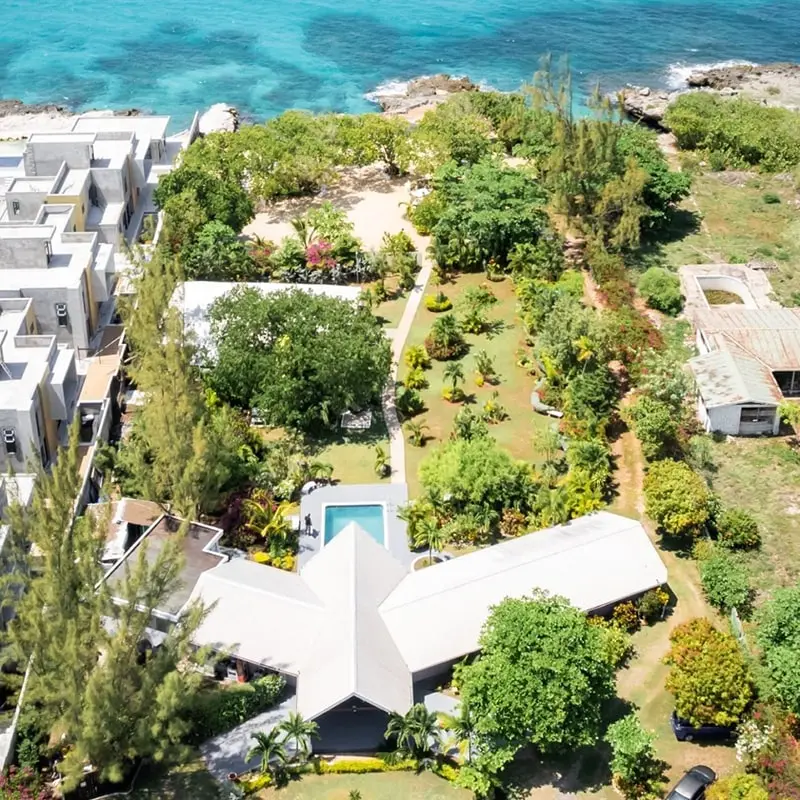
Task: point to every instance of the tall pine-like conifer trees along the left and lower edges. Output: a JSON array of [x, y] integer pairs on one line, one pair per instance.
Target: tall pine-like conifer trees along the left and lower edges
[[91, 692]]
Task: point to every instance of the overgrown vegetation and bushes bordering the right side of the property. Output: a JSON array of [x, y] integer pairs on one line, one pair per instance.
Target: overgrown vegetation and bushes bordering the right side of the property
[[661, 289], [709, 676], [736, 133]]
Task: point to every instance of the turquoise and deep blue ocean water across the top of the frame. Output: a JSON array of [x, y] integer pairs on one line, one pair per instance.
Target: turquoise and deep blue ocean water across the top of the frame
[[264, 56]]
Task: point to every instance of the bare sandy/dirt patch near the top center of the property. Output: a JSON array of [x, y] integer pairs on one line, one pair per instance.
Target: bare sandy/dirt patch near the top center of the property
[[374, 202]]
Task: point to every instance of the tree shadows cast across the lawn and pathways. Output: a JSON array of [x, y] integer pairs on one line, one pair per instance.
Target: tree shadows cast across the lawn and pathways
[[375, 435], [683, 223], [679, 546], [393, 295], [627, 493], [466, 399], [669, 609], [627, 471], [494, 328], [584, 770], [345, 193], [189, 780], [351, 453]]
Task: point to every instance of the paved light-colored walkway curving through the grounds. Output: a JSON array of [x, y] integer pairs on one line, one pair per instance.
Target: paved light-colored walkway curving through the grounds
[[397, 445]]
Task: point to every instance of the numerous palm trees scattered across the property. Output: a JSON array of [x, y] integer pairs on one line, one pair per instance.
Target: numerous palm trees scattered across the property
[[414, 734], [285, 748], [416, 739]]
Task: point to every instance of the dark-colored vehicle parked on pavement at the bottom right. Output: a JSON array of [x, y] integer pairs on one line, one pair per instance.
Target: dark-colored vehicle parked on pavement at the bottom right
[[686, 732], [693, 785]]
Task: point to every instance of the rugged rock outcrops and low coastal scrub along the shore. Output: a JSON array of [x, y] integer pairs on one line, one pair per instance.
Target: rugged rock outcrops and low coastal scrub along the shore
[[770, 84], [419, 94], [411, 99], [775, 85]]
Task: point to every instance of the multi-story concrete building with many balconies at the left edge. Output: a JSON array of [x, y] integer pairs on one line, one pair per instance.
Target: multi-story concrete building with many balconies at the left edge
[[38, 389], [69, 202]]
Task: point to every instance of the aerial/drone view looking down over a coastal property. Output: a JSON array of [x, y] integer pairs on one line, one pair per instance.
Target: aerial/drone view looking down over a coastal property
[[400, 402]]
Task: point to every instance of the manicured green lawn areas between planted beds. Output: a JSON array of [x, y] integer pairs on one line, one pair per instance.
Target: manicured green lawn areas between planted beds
[[376, 786], [189, 780], [352, 454], [514, 386]]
